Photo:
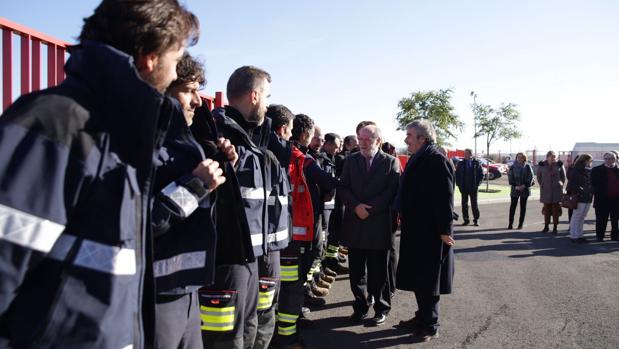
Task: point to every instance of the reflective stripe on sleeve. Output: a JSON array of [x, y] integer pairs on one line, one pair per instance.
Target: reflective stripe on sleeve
[[96, 256], [180, 262], [278, 236], [253, 193], [182, 198], [28, 230], [257, 239]]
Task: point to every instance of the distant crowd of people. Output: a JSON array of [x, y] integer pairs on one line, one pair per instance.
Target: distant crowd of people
[[134, 216], [582, 184]]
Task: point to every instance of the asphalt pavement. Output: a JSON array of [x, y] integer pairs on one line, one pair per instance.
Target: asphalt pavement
[[512, 289]]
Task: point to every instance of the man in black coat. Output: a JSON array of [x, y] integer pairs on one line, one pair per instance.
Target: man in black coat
[[605, 182], [367, 188], [425, 198], [468, 178]]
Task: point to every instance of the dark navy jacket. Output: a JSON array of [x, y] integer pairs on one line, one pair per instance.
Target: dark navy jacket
[[76, 164], [252, 173], [182, 216], [468, 178]]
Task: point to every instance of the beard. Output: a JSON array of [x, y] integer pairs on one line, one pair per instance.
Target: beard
[[256, 115]]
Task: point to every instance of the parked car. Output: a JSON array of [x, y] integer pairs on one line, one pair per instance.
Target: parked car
[[457, 159], [494, 170]]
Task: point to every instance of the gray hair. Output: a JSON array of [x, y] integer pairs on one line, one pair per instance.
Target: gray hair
[[374, 130], [612, 153], [423, 128]]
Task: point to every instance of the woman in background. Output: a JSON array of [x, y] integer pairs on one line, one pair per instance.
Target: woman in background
[[521, 179], [579, 182]]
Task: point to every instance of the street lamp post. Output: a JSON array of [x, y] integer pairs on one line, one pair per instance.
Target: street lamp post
[[474, 120]]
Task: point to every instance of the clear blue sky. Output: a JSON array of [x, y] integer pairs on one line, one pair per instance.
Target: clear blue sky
[[345, 61]]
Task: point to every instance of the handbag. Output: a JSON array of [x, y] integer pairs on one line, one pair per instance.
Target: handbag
[[569, 201]]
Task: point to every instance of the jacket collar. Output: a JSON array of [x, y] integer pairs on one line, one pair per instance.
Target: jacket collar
[[134, 113]]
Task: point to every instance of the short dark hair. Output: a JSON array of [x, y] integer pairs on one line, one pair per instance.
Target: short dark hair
[[141, 27], [348, 139], [279, 115], [245, 79], [302, 123], [331, 137], [189, 69], [388, 148], [363, 124]]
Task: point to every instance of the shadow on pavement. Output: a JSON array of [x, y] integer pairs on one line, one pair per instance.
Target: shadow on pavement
[[327, 335], [535, 244]]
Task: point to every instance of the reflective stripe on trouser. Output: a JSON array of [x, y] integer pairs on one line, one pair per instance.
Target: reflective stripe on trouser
[[287, 330], [289, 273], [217, 310], [287, 318], [266, 293], [243, 280]]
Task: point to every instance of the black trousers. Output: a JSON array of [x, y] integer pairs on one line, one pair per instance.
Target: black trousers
[[427, 303], [268, 267], [178, 321], [523, 209], [242, 278], [376, 263], [393, 265], [604, 209], [465, 204]]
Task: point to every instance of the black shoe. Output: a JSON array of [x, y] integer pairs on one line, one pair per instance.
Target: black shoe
[[377, 320], [475, 223], [313, 301], [340, 269], [510, 226], [420, 336], [545, 230], [305, 323], [555, 231], [329, 272], [410, 324], [466, 222], [356, 318], [520, 226]]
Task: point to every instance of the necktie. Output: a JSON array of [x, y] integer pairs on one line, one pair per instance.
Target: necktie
[[367, 163]]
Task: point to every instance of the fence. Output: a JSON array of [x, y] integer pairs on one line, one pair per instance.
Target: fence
[[31, 55]]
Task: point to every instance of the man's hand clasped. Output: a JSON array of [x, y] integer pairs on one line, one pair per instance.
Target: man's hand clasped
[[362, 211]]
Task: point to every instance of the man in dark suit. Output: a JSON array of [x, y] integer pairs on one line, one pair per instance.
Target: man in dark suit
[[605, 182], [468, 178], [425, 199], [367, 188]]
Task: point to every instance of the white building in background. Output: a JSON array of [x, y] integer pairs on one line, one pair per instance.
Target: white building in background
[[596, 150]]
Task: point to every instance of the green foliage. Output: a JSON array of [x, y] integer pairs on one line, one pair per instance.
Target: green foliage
[[434, 106], [501, 122], [496, 123]]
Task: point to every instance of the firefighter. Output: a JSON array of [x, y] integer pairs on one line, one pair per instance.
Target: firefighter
[[229, 307], [76, 167]]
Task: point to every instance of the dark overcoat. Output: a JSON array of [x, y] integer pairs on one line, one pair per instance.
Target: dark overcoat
[[426, 211], [376, 188]]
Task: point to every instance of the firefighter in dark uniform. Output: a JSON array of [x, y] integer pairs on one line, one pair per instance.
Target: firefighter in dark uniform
[[76, 167], [183, 226], [228, 307]]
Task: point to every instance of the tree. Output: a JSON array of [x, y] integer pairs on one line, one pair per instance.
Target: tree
[[435, 106], [496, 123]]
